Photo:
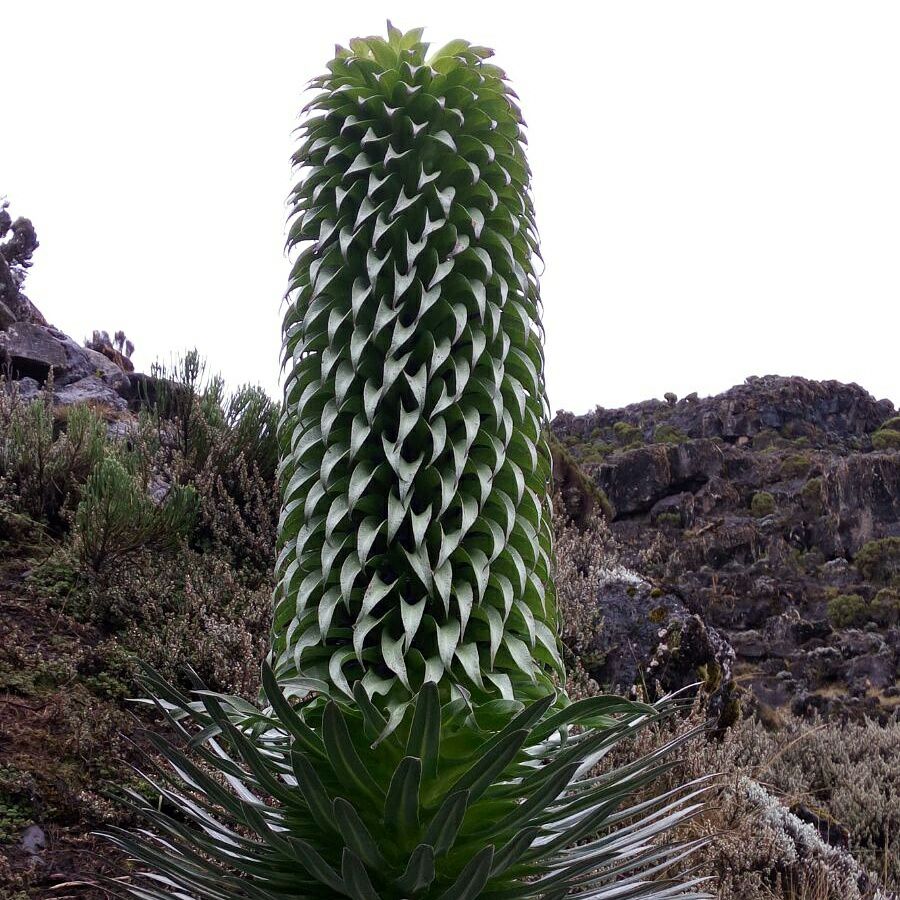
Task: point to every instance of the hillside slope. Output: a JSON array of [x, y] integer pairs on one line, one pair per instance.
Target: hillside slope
[[771, 511]]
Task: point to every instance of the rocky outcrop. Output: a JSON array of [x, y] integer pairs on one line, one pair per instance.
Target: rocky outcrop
[[638, 479], [820, 411], [33, 352], [756, 507]]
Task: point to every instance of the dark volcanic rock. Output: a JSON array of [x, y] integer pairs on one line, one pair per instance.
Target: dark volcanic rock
[[753, 505], [635, 480], [818, 410], [649, 638], [6, 316], [859, 501]]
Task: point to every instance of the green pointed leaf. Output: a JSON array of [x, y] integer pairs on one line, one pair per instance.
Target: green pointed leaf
[[357, 883], [317, 799], [401, 806], [344, 758], [445, 824], [425, 732], [419, 872], [488, 766], [473, 878], [358, 837]]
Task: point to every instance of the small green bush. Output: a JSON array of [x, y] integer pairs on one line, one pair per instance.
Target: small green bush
[[668, 434], [115, 518], [796, 465], [594, 453], [848, 611], [767, 439], [670, 519], [628, 435], [762, 504], [812, 496], [885, 607], [879, 561], [47, 455], [886, 439], [891, 424]]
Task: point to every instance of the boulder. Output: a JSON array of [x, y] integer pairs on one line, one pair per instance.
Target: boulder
[[82, 362], [677, 509], [32, 350], [91, 390], [859, 502], [27, 388], [33, 840], [649, 637], [635, 480]]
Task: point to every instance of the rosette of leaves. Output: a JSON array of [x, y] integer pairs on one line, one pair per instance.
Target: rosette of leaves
[[495, 802], [415, 535]]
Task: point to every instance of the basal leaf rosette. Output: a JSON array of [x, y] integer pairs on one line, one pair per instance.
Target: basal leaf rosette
[[500, 802]]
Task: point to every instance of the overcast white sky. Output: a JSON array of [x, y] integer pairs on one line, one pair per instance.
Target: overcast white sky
[[717, 183]]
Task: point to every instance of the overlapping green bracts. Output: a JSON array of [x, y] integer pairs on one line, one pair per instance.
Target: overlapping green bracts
[[454, 805], [415, 533]]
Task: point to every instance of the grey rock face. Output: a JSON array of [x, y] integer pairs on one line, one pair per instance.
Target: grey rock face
[[6, 316], [89, 390], [637, 479], [32, 349]]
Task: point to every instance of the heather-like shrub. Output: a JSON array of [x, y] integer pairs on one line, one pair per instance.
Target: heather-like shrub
[[762, 504], [237, 509], [847, 773], [885, 607], [183, 402], [628, 435], [252, 421], [197, 612], [586, 560], [46, 458], [847, 611], [225, 446], [116, 519], [886, 439], [812, 495], [796, 465], [198, 417], [668, 434], [879, 561], [841, 779]]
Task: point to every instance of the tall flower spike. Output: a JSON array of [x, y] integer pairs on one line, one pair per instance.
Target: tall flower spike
[[415, 605], [415, 536]]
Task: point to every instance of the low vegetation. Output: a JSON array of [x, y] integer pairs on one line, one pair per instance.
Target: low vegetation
[[115, 543], [762, 504], [879, 561], [69, 636]]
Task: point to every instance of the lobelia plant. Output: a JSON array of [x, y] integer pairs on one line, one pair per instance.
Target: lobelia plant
[[412, 739]]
